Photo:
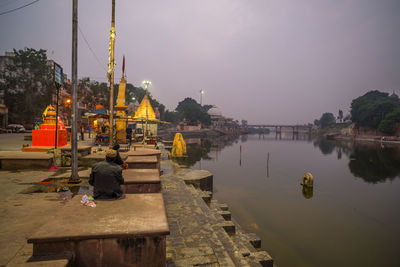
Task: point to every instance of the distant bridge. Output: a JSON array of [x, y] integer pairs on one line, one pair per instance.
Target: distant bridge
[[278, 127]]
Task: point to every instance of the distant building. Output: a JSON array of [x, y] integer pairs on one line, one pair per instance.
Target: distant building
[[220, 122]]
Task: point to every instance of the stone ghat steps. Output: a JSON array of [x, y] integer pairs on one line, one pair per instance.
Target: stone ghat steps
[[199, 234]]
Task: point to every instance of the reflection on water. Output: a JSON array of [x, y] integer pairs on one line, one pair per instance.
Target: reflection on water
[[307, 192], [369, 161], [348, 218], [374, 164]]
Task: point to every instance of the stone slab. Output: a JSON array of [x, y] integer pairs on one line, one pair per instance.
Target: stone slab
[[82, 149], [24, 155], [93, 158], [138, 176], [127, 232], [12, 160], [141, 159], [141, 181], [201, 179], [144, 152], [143, 162], [136, 215]]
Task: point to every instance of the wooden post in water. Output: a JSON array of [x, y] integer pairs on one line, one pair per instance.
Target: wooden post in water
[[240, 161], [268, 164]]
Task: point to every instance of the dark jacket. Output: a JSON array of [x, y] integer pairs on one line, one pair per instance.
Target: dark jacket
[[118, 160], [106, 177]]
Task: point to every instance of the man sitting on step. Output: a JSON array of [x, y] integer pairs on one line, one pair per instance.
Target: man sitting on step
[[106, 177]]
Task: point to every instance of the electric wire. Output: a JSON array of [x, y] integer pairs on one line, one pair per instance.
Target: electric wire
[[91, 50], [18, 8]]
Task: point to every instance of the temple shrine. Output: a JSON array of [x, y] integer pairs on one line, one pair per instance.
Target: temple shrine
[[121, 119], [45, 136], [146, 118]]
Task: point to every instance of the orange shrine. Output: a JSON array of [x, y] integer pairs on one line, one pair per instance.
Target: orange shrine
[[46, 135]]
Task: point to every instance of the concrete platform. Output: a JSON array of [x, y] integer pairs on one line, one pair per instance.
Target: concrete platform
[[93, 158], [201, 179], [37, 148], [12, 160], [140, 145], [143, 162], [139, 152], [83, 150], [127, 232], [141, 181]]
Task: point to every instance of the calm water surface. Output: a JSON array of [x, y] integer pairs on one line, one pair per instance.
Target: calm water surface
[[351, 218]]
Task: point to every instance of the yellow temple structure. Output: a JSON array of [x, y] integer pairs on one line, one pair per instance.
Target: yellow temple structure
[[145, 118], [121, 119]]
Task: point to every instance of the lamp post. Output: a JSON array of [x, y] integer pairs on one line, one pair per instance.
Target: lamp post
[[201, 97], [146, 86]]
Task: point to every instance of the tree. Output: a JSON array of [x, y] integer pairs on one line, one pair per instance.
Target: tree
[[370, 109], [193, 112], [326, 119], [317, 122], [171, 116], [340, 115], [391, 122], [27, 83]]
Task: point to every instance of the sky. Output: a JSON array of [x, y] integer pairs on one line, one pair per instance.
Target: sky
[[265, 61]]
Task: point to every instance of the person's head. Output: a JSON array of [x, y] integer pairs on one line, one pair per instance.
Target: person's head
[[111, 154], [116, 147]]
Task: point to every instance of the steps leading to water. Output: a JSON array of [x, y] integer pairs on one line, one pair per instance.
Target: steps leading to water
[[200, 230]]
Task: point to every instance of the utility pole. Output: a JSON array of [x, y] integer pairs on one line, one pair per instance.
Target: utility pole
[[111, 64], [74, 144], [146, 84]]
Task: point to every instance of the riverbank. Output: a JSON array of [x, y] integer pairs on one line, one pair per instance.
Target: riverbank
[[169, 134], [202, 231], [346, 132]]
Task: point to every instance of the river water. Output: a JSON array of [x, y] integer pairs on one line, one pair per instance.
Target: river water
[[350, 218]]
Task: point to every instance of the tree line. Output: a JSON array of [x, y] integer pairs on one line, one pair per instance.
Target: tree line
[[374, 110], [28, 87]]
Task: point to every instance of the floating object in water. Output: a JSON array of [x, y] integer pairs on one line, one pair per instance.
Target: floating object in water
[[179, 146], [53, 168], [308, 180]]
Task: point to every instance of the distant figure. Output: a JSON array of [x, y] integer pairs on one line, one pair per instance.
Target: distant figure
[[129, 135], [89, 129], [82, 132], [106, 177]]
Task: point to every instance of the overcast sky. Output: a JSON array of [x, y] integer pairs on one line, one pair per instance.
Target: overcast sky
[[261, 60]]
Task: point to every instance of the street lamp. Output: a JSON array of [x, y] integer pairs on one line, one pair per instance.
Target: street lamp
[[201, 97]]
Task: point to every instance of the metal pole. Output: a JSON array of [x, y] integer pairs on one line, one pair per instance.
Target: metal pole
[[147, 115], [111, 73], [74, 144], [57, 97]]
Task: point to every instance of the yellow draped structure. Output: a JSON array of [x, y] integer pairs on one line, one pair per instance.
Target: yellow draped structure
[[145, 110]]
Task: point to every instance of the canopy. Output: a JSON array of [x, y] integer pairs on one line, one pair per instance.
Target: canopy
[[145, 110]]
